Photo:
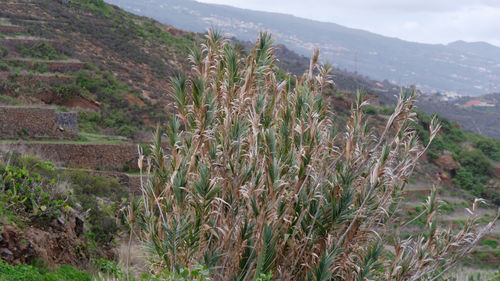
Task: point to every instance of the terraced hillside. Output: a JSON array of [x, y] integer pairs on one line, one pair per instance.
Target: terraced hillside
[[110, 66]]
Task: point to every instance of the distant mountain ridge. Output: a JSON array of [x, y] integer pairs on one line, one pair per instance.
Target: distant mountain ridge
[[465, 68]]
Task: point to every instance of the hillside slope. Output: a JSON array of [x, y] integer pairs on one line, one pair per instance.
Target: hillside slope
[[92, 56], [463, 68], [481, 119], [111, 65]]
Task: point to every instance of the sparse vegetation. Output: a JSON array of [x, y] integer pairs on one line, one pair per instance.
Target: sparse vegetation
[[34, 190], [492, 243], [42, 50]]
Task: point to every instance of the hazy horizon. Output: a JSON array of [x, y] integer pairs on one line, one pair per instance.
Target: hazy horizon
[[421, 21]]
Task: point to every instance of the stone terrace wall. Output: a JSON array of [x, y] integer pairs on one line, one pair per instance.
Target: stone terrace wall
[[67, 120], [11, 43], [41, 123], [54, 66], [6, 29], [81, 155]]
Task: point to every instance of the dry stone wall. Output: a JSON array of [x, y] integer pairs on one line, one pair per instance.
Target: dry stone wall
[[11, 43], [53, 66], [67, 120], [39, 123], [115, 157], [7, 29]]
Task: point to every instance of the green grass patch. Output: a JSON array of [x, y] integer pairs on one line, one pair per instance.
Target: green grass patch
[[8, 100], [8, 217], [4, 66], [98, 136], [42, 50], [31, 273], [486, 258], [490, 243]]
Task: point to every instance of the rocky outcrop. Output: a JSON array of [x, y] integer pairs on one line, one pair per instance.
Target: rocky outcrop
[[443, 179], [496, 170], [59, 241], [447, 163]]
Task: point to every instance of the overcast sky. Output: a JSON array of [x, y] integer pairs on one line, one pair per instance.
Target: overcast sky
[[429, 21]]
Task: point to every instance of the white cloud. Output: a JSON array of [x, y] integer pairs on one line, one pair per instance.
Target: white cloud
[[409, 25], [430, 21]]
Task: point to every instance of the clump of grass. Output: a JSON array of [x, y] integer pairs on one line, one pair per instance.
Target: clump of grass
[[41, 50], [492, 243], [256, 183], [29, 272]]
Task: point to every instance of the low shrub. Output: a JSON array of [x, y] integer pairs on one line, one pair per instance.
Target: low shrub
[[3, 52], [41, 67], [67, 91], [492, 243], [476, 162], [39, 190], [370, 110], [108, 267], [432, 155], [25, 194], [87, 189], [4, 66], [8, 100], [386, 110], [41, 50], [489, 147], [126, 131]]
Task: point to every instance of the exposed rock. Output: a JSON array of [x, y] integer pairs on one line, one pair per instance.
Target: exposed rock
[[444, 179], [496, 187], [447, 163], [14, 248], [55, 242], [6, 255], [496, 170]]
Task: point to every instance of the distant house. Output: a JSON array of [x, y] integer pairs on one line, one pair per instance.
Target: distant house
[[478, 103], [473, 103]]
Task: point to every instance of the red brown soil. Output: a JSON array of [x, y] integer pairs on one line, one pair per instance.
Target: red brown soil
[[80, 103], [444, 179], [132, 99], [496, 170], [410, 192], [489, 258], [75, 102]]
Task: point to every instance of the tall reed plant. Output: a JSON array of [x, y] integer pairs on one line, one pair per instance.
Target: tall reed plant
[[249, 179]]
